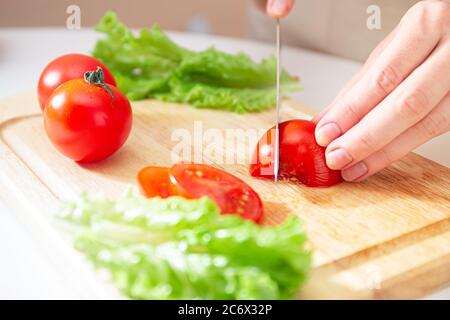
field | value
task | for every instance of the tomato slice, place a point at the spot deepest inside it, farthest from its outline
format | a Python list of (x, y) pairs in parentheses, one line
[(300, 155), (231, 194), (156, 182)]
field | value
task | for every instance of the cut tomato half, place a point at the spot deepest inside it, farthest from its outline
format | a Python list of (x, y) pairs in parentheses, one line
[(231, 194), (300, 156)]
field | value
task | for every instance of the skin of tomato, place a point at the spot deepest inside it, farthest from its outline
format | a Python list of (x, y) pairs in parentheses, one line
[(65, 68), (84, 123), (300, 155), (230, 193), (156, 181), (175, 189)]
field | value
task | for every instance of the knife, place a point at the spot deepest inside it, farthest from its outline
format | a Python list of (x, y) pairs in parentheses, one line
[(277, 142)]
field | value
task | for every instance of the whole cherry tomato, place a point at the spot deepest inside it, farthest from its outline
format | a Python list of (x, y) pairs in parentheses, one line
[(65, 68), (300, 155), (86, 119)]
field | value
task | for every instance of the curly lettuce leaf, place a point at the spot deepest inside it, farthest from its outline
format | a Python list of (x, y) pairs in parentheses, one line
[(150, 65), (184, 249)]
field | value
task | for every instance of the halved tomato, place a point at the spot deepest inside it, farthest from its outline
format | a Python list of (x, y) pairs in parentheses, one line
[(300, 155), (231, 194)]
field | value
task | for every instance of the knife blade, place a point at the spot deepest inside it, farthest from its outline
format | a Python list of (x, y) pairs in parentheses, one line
[(278, 97)]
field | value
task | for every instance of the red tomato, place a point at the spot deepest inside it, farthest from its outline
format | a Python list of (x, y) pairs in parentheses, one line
[(65, 68), (231, 194), (300, 156), (157, 182), (85, 123)]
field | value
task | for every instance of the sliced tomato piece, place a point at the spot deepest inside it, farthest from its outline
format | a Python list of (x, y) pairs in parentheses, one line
[(231, 194), (156, 182), (300, 155)]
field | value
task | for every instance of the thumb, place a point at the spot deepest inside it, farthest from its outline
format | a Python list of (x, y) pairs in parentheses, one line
[(279, 8)]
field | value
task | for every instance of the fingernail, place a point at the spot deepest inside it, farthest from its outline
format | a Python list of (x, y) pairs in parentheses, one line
[(327, 133), (337, 159), (276, 7), (355, 172)]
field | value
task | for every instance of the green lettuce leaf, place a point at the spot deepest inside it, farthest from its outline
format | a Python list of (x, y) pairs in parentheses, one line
[(149, 64), (184, 249)]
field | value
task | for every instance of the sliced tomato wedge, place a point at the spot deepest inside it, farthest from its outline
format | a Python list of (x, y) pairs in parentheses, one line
[(231, 194), (300, 156), (156, 182)]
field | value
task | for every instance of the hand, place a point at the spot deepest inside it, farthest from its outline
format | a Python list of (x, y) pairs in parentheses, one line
[(276, 8), (398, 101)]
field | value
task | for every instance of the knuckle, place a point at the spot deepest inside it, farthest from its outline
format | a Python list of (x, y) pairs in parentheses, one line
[(419, 10), (387, 79), (434, 125), (439, 9), (446, 16), (386, 156), (350, 112), (430, 15), (413, 105), (366, 142), (440, 14)]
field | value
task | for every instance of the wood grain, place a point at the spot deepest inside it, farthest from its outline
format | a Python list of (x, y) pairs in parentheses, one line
[(388, 237)]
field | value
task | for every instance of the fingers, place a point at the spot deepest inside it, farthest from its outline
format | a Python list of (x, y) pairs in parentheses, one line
[(406, 106), (370, 60), (410, 46), (261, 4), (435, 124), (279, 8)]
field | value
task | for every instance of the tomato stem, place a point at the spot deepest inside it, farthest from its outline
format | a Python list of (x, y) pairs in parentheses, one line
[(97, 78)]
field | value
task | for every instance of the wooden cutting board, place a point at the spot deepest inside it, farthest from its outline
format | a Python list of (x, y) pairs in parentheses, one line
[(388, 237)]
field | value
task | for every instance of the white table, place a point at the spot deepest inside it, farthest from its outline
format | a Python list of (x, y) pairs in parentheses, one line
[(25, 271)]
